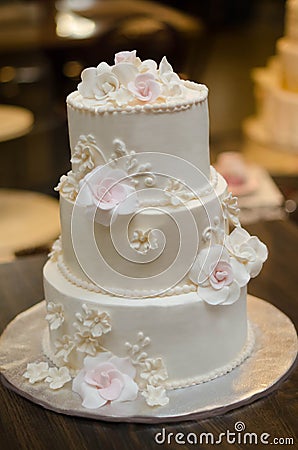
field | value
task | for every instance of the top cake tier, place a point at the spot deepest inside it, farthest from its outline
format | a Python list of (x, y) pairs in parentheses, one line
[(145, 106)]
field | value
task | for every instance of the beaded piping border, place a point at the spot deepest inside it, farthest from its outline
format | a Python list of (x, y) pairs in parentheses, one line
[(179, 384), (91, 287), (157, 108)]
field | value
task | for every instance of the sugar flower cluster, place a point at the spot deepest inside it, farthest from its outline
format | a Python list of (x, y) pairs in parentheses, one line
[(221, 270), (131, 81)]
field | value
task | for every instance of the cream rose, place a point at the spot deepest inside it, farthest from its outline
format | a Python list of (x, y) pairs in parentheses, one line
[(248, 250)]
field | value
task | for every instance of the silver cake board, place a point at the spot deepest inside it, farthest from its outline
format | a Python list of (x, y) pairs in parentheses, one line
[(268, 365)]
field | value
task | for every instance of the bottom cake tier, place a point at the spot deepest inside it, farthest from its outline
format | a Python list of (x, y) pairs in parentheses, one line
[(177, 340)]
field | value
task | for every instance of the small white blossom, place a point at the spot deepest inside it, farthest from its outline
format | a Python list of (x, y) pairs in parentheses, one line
[(82, 156), (58, 377), (64, 347), (154, 371), (97, 322), (36, 372), (155, 396), (86, 342), (143, 241), (55, 315), (230, 209), (68, 186)]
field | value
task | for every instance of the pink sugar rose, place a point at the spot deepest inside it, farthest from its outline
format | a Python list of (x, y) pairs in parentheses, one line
[(219, 277), (145, 87), (108, 192), (222, 275), (126, 56), (105, 378)]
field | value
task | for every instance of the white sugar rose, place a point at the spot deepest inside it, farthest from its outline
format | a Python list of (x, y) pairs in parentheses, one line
[(148, 66), (105, 378), (98, 82), (248, 250), (218, 276), (108, 192)]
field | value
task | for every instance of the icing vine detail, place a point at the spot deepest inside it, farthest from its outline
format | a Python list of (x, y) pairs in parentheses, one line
[(215, 231), (131, 164), (151, 372)]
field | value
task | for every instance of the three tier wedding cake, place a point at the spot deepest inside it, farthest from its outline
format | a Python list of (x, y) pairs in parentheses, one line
[(145, 288)]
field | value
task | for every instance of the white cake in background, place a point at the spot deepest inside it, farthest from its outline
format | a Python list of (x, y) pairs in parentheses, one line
[(276, 92), (145, 290)]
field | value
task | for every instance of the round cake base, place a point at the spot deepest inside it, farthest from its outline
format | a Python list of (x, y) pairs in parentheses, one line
[(268, 365)]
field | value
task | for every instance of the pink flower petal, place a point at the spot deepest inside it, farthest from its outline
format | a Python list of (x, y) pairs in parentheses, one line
[(113, 391), (145, 87), (94, 376), (125, 56)]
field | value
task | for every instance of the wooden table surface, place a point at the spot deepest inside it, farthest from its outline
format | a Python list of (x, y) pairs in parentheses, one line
[(24, 425)]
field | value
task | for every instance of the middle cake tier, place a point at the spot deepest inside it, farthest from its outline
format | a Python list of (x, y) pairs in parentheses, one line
[(143, 253)]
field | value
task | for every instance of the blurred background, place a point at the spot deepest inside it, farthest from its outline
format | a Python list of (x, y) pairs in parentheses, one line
[(44, 46)]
